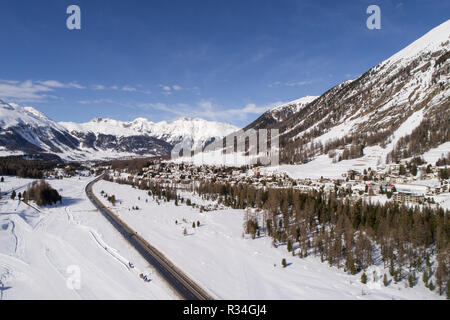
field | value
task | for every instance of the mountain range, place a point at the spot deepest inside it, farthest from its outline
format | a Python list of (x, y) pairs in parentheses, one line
[(24, 130), (397, 109)]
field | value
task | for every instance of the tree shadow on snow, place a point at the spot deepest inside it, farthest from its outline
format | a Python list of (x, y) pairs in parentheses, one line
[(67, 201)]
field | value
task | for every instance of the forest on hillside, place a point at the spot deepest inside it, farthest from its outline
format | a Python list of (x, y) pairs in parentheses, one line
[(353, 235)]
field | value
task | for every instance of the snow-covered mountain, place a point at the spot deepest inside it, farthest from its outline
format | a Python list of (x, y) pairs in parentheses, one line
[(398, 109), (280, 112), (26, 130), (196, 131)]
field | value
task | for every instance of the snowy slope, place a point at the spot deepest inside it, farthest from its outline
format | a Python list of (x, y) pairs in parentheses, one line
[(295, 105), (280, 113), (38, 251), (198, 131), (410, 90), (25, 130), (430, 42), (232, 267)]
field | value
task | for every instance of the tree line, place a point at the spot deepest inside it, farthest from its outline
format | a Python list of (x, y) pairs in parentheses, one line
[(352, 235), (347, 234), (24, 168)]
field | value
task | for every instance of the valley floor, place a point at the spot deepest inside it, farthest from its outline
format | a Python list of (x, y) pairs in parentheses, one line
[(41, 252), (218, 258), (38, 250)]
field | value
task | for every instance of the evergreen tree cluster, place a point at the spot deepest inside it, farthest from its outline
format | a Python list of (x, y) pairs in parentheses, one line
[(352, 235), (349, 235), (18, 166), (42, 193)]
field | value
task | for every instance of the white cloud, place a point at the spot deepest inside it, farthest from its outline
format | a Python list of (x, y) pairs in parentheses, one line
[(106, 101), (96, 101), (274, 84), (27, 90), (52, 83), (298, 83), (99, 87), (208, 110), (76, 85), (291, 83), (125, 88), (168, 89), (129, 89), (57, 84), (33, 91)]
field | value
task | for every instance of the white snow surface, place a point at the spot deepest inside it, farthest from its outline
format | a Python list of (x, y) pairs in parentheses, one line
[(37, 250), (38, 129), (193, 129), (427, 43), (299, 103), (437, 153), (12, 114), (218, 258)]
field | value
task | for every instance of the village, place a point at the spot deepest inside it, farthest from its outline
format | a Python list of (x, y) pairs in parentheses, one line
[(397, 182), (403, 182)]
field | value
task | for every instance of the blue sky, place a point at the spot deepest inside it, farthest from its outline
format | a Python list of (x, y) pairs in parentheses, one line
[(219, 60)]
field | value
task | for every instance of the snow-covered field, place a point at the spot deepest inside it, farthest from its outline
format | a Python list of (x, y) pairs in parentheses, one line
[(217, 257), (437, 153), (42, 252), (323, 166)]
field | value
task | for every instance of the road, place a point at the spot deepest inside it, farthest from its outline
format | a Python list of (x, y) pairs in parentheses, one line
[(184, 286)]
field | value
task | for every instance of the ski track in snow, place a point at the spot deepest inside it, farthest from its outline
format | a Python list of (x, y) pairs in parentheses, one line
[(37, 247)]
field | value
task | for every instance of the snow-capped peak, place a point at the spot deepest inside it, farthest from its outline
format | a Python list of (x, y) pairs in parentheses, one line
[(298, 103), (430, 42), (196, 130), (12, 114), (35, 112)]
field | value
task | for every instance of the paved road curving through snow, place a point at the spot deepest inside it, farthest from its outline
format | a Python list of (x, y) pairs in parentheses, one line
[(184, 286)]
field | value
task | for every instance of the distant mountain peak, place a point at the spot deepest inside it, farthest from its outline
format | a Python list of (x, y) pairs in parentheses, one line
[(298, 103), (432, 41)]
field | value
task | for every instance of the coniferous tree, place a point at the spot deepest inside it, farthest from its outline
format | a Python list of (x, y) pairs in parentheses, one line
[(289, 245), (440, 273), (425, 277), (364, 278), (411, 280)]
